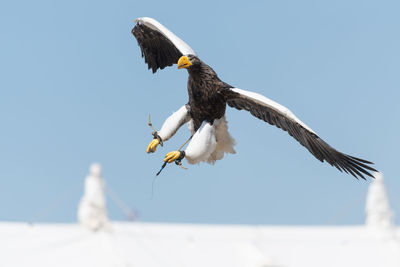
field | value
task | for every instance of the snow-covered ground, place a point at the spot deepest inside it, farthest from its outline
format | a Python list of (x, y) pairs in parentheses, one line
[(148, 244), (97, 242)]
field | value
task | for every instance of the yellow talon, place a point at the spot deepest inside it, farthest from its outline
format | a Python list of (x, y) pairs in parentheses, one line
[(172, 156), (153, 146)]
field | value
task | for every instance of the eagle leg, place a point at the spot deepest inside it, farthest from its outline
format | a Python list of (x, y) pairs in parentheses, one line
[(174, 156), (169, 128)]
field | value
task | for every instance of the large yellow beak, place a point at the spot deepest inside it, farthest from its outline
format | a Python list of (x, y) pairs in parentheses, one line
[(184, 62)]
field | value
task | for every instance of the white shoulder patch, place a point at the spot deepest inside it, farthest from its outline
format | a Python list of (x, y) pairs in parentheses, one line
[(183, 47), (272, 104)]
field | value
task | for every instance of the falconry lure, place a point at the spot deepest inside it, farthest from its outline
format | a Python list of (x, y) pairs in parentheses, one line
[(208, 97)]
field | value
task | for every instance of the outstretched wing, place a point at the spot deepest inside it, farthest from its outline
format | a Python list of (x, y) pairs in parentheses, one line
[(160, 47), (276, 114)]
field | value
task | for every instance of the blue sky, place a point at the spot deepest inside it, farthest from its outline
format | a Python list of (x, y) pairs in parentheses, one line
[(74, 90)]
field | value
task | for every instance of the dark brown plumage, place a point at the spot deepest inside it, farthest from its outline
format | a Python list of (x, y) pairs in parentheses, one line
[(157, 50), (206, 93), (208, 96), (318, 147)]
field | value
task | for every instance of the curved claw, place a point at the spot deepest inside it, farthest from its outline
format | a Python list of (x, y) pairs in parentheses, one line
[(172, 156), (152, 147)]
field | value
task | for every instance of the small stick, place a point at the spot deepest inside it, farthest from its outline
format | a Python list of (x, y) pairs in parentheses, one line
[(162, 167), (177, 162)]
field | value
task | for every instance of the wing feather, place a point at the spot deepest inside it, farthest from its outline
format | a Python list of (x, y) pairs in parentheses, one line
[(160, 47), (276, 114)]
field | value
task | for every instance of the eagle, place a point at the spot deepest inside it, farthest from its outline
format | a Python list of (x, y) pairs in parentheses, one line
[(208, 98)]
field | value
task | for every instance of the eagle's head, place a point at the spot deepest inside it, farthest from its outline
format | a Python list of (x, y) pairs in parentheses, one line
[(189, 61)]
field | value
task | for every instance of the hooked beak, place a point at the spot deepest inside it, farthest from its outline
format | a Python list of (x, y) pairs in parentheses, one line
[(184, 62)]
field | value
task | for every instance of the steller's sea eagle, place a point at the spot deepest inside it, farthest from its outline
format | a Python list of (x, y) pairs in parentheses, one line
[(205, 111)]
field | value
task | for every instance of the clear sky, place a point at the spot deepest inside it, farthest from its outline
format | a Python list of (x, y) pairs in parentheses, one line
[(74, 90)]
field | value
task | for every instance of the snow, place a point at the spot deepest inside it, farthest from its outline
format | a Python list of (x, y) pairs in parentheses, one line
[(97, 242), (150, 244), (379, 215), (92, 212)]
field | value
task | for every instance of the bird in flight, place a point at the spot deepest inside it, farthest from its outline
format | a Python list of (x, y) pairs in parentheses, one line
[(208, 97)]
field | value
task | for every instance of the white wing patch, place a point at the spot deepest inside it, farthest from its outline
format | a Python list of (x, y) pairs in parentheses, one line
[(272, 104), (183, 47)]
